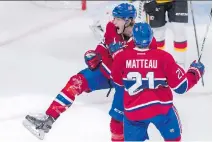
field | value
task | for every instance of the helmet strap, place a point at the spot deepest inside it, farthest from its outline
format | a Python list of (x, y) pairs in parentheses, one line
[(127, 24)]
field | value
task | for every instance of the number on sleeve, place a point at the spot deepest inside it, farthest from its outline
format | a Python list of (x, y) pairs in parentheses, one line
[(179, 73)]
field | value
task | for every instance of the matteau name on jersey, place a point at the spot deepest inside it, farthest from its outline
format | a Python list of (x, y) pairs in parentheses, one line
[(141, 63)]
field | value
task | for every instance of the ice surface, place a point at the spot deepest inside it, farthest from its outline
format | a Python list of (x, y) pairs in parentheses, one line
[(41, 48)]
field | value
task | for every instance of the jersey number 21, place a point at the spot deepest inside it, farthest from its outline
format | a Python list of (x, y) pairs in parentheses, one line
[(136, 76)]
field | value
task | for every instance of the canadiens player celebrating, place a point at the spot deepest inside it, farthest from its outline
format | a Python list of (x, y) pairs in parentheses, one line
[(177, 16), (147, 76), (95, 77)]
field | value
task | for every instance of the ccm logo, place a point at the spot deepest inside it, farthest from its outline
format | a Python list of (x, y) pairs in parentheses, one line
[(181, 14)]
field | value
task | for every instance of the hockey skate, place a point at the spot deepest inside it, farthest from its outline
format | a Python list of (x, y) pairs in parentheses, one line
[(38, 125)]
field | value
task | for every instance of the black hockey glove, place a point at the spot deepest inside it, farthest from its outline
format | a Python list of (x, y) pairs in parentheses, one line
[(150, 7)]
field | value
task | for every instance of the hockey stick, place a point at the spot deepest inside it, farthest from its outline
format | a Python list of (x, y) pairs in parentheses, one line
[(205, 36), (195, 32), (110, 88), (147, 17), (140, 10)]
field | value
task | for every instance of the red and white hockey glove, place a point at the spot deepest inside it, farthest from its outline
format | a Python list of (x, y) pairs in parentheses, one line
[(197, 68), (92, 59)]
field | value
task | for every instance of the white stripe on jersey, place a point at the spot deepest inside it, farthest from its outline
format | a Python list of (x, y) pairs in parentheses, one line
[(106, 68), (147, 104), (65, 96), (119, 84), (147, 79), (60, 102)]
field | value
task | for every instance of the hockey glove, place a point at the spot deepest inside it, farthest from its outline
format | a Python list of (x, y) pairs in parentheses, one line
[(92, 59), (38, 125), (150, 7), (197, 68), (115, 46)]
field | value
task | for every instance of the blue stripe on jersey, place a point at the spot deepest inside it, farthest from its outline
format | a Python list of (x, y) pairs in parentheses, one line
[(63, 100), (145, 83), (182, 88)]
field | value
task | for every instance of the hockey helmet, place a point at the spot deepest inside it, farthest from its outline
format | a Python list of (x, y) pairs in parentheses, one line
[(142, 34)]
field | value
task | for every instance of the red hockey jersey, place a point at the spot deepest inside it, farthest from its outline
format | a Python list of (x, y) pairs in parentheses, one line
[(147, 76), (111, 36)]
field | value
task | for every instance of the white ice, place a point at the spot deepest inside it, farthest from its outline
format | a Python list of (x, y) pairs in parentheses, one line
[(41, 48)]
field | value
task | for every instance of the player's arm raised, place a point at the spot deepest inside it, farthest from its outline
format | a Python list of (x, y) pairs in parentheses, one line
[(179, 80), (104, 49)]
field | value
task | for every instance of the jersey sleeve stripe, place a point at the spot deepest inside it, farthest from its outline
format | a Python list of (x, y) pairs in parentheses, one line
[(62, 99), (106, 68), (182, 87)]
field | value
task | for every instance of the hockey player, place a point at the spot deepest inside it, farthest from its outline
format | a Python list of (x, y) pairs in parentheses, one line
[(95, 77), (147, 76), (177, 11)]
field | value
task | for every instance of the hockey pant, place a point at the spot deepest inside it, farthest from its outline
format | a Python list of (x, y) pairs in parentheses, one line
[(168, 125)]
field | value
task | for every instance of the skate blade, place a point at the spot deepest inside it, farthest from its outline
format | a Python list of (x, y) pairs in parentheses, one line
[(30, 127)]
